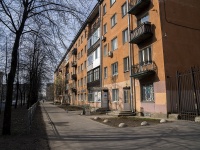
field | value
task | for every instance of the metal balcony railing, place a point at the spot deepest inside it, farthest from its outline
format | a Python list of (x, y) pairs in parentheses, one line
[(141, 33), (74, 64), (74, 76), (142, 70), (74, 51), (137, 6)]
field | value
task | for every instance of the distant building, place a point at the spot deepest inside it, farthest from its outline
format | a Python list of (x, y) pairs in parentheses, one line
[(49, 92)]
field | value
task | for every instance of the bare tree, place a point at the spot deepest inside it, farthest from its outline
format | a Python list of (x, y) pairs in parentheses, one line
[(21, 17)]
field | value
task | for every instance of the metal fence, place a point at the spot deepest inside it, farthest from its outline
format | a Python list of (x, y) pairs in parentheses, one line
[(183, 94), (31, 112)]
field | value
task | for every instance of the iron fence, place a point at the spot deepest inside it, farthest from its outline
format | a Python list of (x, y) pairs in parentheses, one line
[(183, 94), (31, 112)]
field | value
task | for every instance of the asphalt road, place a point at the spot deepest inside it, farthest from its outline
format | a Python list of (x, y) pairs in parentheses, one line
[(70, 131)]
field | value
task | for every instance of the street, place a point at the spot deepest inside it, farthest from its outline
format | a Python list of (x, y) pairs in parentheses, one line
[(72, 131)]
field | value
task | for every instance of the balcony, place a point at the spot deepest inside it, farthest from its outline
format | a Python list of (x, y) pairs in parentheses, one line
[(74, 51), (74, 76), (74, 64), (137, 6), (140, 71), (141, 33), (66, 81), (72, 86), (95, 26)]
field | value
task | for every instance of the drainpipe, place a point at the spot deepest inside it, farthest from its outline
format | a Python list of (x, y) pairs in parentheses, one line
[(132, 81), (101, 59)]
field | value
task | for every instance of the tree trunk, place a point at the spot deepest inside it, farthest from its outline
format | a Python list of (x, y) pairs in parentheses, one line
[(11, 77)]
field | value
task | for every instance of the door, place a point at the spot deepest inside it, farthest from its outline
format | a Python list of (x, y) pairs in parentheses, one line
[(126, 99)]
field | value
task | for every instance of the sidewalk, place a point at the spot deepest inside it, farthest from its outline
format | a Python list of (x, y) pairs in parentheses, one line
[(70, 131)]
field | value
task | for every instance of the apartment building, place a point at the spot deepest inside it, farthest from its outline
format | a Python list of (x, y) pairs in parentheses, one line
[(131, 50)]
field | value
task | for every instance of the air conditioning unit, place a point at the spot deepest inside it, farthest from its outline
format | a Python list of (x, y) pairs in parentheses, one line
[(103, 38), (110, 54)]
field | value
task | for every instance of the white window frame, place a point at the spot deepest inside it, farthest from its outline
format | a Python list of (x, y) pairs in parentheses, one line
[(114, 67), (126, 64), (125, 36), (105, 72), (114, 44), (104, 9), (124, 9), (145, 56), (112, 2), (147, 92), (115, 95), (113, 20), (105, 28), (105, 50)]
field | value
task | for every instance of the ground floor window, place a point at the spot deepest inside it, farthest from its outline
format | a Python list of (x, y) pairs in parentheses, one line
[(94, 96), (115, 94), (147, 92), (126, 95)]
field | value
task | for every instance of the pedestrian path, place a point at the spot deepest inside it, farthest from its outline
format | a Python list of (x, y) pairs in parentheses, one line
[(70, 131)]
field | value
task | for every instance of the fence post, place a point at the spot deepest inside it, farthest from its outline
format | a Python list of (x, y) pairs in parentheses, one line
[(179, 92), (194, 90)]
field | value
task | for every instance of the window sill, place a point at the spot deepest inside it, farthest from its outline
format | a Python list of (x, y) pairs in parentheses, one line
[(147, 101), (115, 101), (126, 71), (112, 4), (113, 25)]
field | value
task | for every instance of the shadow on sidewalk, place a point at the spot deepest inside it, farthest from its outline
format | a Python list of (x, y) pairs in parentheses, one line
[(20, 139)]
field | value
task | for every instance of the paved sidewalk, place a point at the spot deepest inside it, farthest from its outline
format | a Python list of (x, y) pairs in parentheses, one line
[(70, 131)]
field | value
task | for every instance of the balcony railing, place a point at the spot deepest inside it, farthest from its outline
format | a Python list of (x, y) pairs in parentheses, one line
[(73, 87), (137, 6), (74, 51), (95, 26), (74, 64), (141, 33), (74, 76), (140, 71)]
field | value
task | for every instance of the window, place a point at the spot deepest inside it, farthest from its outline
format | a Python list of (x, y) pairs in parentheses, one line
[(96, 74), (105, 72), (145, 56), (125, 36), (105, 50), (113, 20), (85, 48), (81, 81), (112, 2), (105, 28), (85, 81), (115, 95), (124, 9), (81, 39), (126, 95), (90, 76), (78, 83), (81, 67), (81, 53), (114, 44), (90, 59), (85, 64), (79, 56), (115, 69), (96, 54), (147, 92), (104, 9), (126, 64), (143, 19)]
